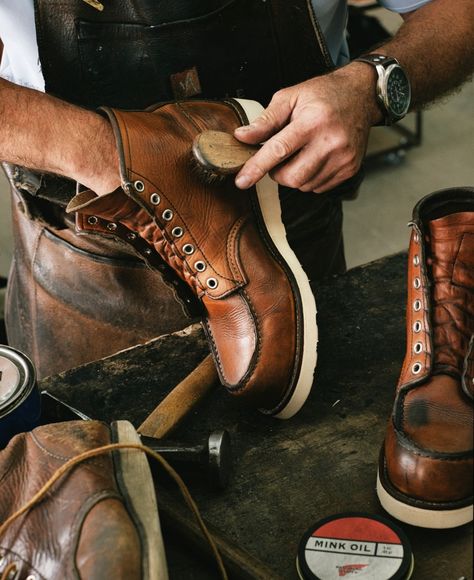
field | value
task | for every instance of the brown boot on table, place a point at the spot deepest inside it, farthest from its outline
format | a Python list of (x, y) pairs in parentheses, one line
[(226, 247), (426, 470), (99, 521)]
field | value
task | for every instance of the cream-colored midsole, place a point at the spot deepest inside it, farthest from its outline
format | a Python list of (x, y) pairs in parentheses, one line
[(137, 478), (423, 518), (267, 191)]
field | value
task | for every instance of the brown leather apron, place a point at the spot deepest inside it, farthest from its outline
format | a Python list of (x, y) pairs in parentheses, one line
[(72, 299)]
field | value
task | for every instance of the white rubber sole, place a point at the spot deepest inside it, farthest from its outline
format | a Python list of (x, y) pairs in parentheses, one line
[(423, 518), (136, 483), (267, 192)]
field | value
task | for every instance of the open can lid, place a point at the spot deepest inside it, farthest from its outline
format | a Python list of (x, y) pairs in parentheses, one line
[(354, 545), (17, 378)]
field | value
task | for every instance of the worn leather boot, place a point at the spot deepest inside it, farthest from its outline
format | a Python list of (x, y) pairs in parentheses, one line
[(100, 520), (227, 246), (426, 471)]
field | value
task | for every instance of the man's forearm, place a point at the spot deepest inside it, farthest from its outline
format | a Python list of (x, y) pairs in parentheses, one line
[(435, 45), (44, 133)]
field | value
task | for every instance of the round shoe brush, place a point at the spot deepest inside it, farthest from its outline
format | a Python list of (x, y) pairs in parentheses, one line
[(217, 154)]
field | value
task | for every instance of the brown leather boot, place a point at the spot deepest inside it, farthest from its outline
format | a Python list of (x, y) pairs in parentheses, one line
[(98, 521), (426, 470), (227, 246)]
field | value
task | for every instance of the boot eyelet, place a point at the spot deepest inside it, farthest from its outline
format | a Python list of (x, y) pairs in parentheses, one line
[(200, 266), (177, 232), (417, 305), (155, 199), (147, 252), (188, 249), (417, 326), (212, 283), (167, 215), (417, 283), (92, 220), (31, 577), (112, 227), (131, 236), (139, 186), (416, 368), (418, 347), (416, 260)]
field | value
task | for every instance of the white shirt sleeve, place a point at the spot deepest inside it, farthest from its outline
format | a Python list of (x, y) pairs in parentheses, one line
[(402, 6)]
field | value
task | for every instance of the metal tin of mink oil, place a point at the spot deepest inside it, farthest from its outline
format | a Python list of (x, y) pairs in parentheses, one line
[(20, 403), (354, 545)]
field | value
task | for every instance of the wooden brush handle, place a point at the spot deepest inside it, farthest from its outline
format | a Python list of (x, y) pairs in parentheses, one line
[(221, 152), (181, 400)]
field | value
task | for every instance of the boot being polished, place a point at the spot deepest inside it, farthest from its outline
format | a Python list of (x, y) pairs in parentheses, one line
[(426, 471), (100, 520), (227, 247)]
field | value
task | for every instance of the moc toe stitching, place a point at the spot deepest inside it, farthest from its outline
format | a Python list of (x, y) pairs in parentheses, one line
[(415, 449), (46, 451), (242, 383)]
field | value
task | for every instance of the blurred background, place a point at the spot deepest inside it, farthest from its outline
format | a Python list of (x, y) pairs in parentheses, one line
[(399, 172)]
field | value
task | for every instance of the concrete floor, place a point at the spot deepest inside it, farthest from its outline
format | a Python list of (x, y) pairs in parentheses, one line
[(375, 223)]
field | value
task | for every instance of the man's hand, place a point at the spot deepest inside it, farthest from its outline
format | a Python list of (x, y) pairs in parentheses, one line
[(315, 133)]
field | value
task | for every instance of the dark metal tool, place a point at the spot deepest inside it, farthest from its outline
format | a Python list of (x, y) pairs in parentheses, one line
[(53, 410), (212, 458)]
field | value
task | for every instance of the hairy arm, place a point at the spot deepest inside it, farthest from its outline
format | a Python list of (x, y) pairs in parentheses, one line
[(47, 134), (316, 132)]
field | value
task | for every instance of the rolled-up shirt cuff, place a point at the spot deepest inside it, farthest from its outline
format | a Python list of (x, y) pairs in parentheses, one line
[(403, 6)]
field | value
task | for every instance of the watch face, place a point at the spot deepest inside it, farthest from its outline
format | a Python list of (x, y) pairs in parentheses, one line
[(398, 91)]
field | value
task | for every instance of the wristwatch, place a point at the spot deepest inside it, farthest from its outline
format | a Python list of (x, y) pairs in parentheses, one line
[(393, 87)]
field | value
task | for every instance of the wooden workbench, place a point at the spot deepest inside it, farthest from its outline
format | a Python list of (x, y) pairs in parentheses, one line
[(288, 474)]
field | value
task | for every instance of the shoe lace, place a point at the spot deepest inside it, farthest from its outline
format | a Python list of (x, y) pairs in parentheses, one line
[(6, 575)]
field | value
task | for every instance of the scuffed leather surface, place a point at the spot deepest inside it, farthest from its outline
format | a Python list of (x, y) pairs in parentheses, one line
[(428, 447), (77, 529), (255, 305)]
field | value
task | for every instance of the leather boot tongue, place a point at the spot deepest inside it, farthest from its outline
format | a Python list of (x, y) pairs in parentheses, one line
[(115, 205), (452, 270)]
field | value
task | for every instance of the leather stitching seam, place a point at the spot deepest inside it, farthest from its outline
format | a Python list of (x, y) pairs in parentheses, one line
[(403, 440)]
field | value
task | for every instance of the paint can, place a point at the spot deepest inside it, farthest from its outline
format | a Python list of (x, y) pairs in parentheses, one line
[(20, 402), (354, 545)]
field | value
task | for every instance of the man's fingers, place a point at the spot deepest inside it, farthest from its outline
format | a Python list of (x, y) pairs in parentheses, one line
[(302, 168), (273, 118), (327, 180), (273, 152)]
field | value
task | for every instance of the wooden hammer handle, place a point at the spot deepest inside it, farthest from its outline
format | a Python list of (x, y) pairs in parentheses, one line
[(181, 400)]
